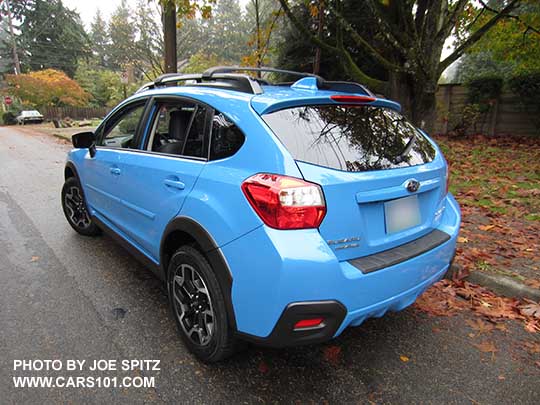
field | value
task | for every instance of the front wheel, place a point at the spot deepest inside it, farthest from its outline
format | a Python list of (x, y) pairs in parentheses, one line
[(75, 209), (198, 306)]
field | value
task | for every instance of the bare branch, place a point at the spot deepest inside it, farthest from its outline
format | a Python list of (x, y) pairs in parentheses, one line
[(515, 17), (361, 42), (477, 35), (452, 18), (349, 64), (388, 32)]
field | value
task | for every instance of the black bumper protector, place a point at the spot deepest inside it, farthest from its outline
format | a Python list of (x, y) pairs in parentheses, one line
[(390, 257), (285, 335)]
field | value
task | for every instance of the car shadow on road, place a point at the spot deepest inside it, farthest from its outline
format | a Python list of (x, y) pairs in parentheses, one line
[(358, 356)]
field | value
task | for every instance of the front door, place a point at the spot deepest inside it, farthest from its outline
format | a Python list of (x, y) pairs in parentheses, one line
[(156, 180), (102, 172)]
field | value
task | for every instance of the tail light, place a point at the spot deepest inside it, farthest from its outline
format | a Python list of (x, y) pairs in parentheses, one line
[(285, 202), (352, 99)]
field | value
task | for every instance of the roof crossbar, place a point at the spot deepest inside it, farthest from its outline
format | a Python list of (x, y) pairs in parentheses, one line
[(236, 82), (229, 69), (225, 77)]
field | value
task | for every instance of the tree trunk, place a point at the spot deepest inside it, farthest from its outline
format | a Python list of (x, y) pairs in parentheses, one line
[(417, 99), (169, 36)]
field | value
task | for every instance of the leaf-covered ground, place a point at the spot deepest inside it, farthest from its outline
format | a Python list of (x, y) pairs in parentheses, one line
[(497, 183)]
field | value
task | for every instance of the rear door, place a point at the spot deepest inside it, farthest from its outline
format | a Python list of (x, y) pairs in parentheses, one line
[(382, 179), (156, 180)]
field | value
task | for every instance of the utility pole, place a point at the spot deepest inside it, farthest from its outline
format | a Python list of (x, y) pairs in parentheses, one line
[(169, 35), (15, 54)]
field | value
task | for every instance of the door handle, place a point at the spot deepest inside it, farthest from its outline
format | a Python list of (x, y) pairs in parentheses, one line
[(116, 171), (174, 184)]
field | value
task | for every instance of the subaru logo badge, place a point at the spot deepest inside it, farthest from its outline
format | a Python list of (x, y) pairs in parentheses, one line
[(413, 185)]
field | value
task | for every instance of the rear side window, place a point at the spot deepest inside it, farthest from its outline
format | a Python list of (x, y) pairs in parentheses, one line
[(226, 137), (351, 138), (180, 128)]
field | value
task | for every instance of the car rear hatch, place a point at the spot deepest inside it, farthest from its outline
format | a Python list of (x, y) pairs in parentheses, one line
[(383, 180)]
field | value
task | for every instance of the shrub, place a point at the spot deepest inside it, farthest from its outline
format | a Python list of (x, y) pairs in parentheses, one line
[(527, 86), (9, 118), (482, 94), (47, 87), (485, 89)]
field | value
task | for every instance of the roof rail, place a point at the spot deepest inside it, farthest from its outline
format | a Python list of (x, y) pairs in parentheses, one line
[(209, 73), (236, 82), (225, 77)]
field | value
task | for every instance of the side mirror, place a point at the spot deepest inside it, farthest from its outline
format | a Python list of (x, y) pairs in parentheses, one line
[(85, 140)]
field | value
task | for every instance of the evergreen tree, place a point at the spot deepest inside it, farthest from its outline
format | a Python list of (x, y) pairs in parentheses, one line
[(228, 34), (51, 36), (99, 40), (121, 50), (149, 45)]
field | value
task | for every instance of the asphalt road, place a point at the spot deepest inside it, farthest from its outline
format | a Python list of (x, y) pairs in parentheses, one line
[(64, 296)]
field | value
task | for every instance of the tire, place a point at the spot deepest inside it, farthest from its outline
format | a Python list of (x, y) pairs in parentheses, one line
[(75, 209), (214, 340)]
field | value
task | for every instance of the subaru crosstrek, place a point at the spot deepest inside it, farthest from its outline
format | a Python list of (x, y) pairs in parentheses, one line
[(275, 213)]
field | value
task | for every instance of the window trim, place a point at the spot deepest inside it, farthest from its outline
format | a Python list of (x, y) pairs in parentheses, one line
[(119, 111), (151, 116)]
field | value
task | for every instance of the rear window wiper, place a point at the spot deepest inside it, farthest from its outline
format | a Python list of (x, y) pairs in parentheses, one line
[(401, 157)]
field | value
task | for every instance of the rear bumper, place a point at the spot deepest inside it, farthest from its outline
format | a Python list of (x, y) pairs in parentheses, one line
[(275, 270)]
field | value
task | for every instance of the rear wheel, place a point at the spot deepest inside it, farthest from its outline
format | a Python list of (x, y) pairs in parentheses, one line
[(75, 209), (198, 306)]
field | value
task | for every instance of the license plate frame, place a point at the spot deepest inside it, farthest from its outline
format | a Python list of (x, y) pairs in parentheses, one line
[(401, 214)]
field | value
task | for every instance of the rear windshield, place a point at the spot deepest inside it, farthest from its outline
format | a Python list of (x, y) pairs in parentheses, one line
[(351, 138)]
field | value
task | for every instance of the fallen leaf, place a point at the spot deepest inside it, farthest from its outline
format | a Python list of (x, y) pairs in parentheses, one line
[(332, 354), (502, 378), (485, 227), (462, 239), (486, 347), (532, 309), (480, 326), (34, 259), (532, 347), (533, 283), (404, 359), (532, 327)]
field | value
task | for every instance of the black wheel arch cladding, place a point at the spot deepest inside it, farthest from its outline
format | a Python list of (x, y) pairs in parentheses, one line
[(209, 249)]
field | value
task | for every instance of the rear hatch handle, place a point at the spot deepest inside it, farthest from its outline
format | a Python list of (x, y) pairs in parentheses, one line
[(390, 193)]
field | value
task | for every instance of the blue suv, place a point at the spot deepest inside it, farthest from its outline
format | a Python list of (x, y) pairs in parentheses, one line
[(276, 213)]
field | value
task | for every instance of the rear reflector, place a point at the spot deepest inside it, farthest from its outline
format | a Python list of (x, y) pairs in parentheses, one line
[(308, 323), (285, 202), (352, 99)]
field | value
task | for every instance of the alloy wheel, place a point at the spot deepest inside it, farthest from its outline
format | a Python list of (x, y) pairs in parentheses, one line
[(193, 305), (76, 209)]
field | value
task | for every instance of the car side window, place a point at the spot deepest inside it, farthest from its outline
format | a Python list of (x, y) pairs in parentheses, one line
[(197, 139), (227, 138), (179, 129), (120, 131)]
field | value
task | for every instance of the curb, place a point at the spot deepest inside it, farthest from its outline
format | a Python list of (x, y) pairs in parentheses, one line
[(502, 285)]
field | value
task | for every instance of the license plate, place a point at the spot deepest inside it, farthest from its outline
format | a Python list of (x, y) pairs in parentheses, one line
[(401, 214)]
